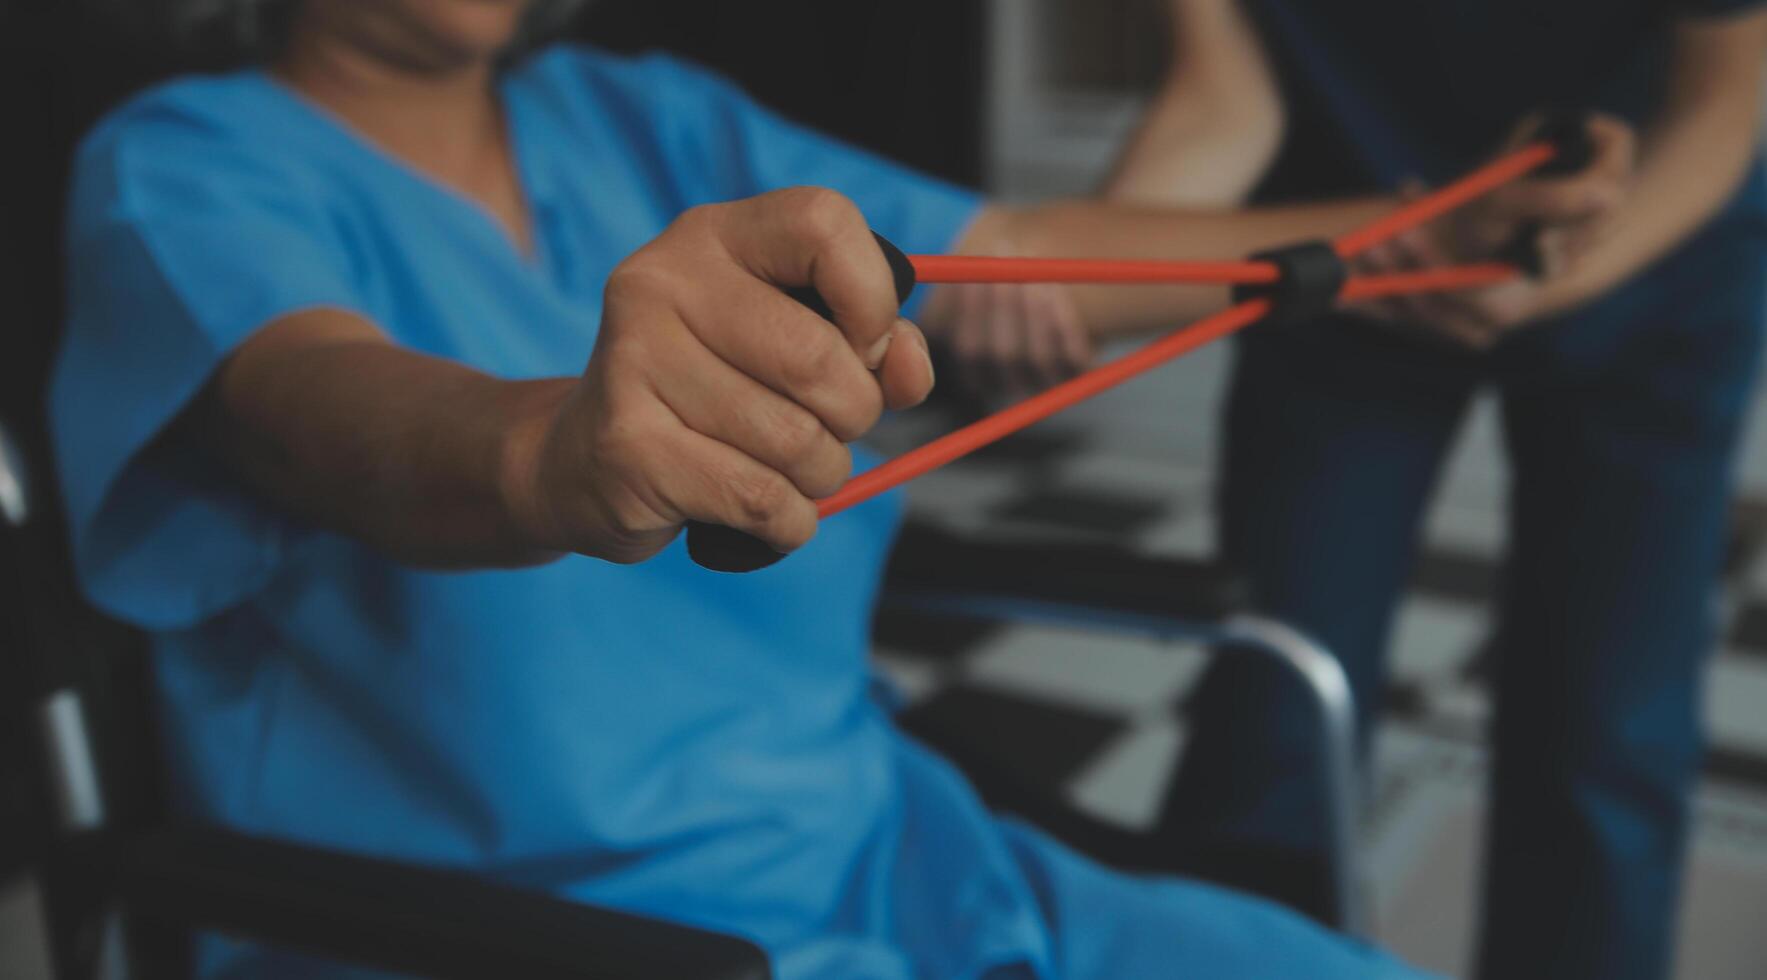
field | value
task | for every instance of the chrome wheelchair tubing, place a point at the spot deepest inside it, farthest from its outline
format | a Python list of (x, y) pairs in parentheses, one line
[(1311, 663), (14, 500), (1337, 757)]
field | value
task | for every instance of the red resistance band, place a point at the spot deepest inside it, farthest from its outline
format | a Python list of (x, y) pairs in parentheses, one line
[(962, 269), (1285, 284)]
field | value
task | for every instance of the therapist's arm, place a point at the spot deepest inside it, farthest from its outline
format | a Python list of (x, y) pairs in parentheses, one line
[(1693, 157), (1109, 229), (1215, 124), (1204, 141), (1117, 229), (710, 395)]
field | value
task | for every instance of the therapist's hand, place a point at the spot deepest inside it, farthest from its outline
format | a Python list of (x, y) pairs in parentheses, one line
[(1570, 212), (1010, 341), (711, 395)]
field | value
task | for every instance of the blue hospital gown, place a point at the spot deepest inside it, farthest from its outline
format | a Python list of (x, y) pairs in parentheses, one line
[(656, 738)]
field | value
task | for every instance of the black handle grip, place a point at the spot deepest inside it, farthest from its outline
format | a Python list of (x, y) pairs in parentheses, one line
[(1568, 131), (725, 549)]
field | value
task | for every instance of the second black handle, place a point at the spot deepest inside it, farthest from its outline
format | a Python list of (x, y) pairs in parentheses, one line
[(1568, 131)]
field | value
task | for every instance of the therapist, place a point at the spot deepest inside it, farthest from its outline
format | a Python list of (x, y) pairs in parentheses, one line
[(1624, 382), (389, 381)]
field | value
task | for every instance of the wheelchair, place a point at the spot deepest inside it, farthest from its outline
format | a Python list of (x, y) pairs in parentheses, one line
[(125, 883)]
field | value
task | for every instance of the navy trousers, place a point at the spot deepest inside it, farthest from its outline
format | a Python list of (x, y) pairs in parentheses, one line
[(1621, 425)]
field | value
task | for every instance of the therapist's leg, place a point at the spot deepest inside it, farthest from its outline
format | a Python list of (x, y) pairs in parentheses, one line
[(1334, 436), (1623, 439)]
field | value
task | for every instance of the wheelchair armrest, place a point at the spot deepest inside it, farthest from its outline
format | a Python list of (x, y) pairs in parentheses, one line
[(933, 562), (405, 918)]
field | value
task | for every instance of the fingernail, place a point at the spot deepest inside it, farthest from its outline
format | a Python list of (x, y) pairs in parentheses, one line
[(874, 357), (927, 355), (905, 326)]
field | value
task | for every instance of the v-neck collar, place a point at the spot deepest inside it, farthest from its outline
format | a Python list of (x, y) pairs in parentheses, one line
[(534, 190)]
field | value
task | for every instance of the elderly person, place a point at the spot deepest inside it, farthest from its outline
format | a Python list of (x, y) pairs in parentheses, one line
[(392, 371)]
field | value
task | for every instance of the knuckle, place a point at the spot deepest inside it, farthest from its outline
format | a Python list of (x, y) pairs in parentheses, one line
[(633, 532), (620, 443), (833, 474), (698, 219), (822, 472), (856, 412), (618, 353), (822, 215), (643, 278), (764, 498), (628, 518), (797, 433), (812, 359)]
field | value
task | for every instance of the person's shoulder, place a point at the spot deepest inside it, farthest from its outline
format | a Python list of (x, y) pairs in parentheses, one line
[(198, 125), (216, 108)]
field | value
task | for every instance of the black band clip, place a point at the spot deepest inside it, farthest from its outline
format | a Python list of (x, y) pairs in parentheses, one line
[(1309, 277)]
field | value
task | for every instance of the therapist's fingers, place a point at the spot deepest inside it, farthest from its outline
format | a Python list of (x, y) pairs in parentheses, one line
[(1427, 317), (810, 236), (1008, 335), (972, 338), (1598, 187), (1042, 355), (773, 430), (1591, 194), (1069, 342)]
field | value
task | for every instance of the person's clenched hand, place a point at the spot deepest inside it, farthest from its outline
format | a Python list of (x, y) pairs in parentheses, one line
[(711, 395)]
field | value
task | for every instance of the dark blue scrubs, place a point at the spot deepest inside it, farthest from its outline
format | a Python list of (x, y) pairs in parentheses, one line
[(1621, 422)]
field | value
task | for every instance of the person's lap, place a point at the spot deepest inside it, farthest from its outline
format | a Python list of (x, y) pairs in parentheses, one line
[(1107, 924)]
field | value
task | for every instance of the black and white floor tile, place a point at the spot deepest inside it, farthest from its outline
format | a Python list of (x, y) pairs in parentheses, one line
[(1100, 715)]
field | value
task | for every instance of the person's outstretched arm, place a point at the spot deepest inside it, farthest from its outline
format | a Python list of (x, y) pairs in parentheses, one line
[(1203, 142), (710, 395)]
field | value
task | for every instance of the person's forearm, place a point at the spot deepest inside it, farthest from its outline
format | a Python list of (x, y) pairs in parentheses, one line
[(1216, 122), (1694, 158), (407, 452), (1082, 229)]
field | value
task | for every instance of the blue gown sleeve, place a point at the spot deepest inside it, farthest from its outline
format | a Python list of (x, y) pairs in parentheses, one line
[(183, 239), (721, 145)]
